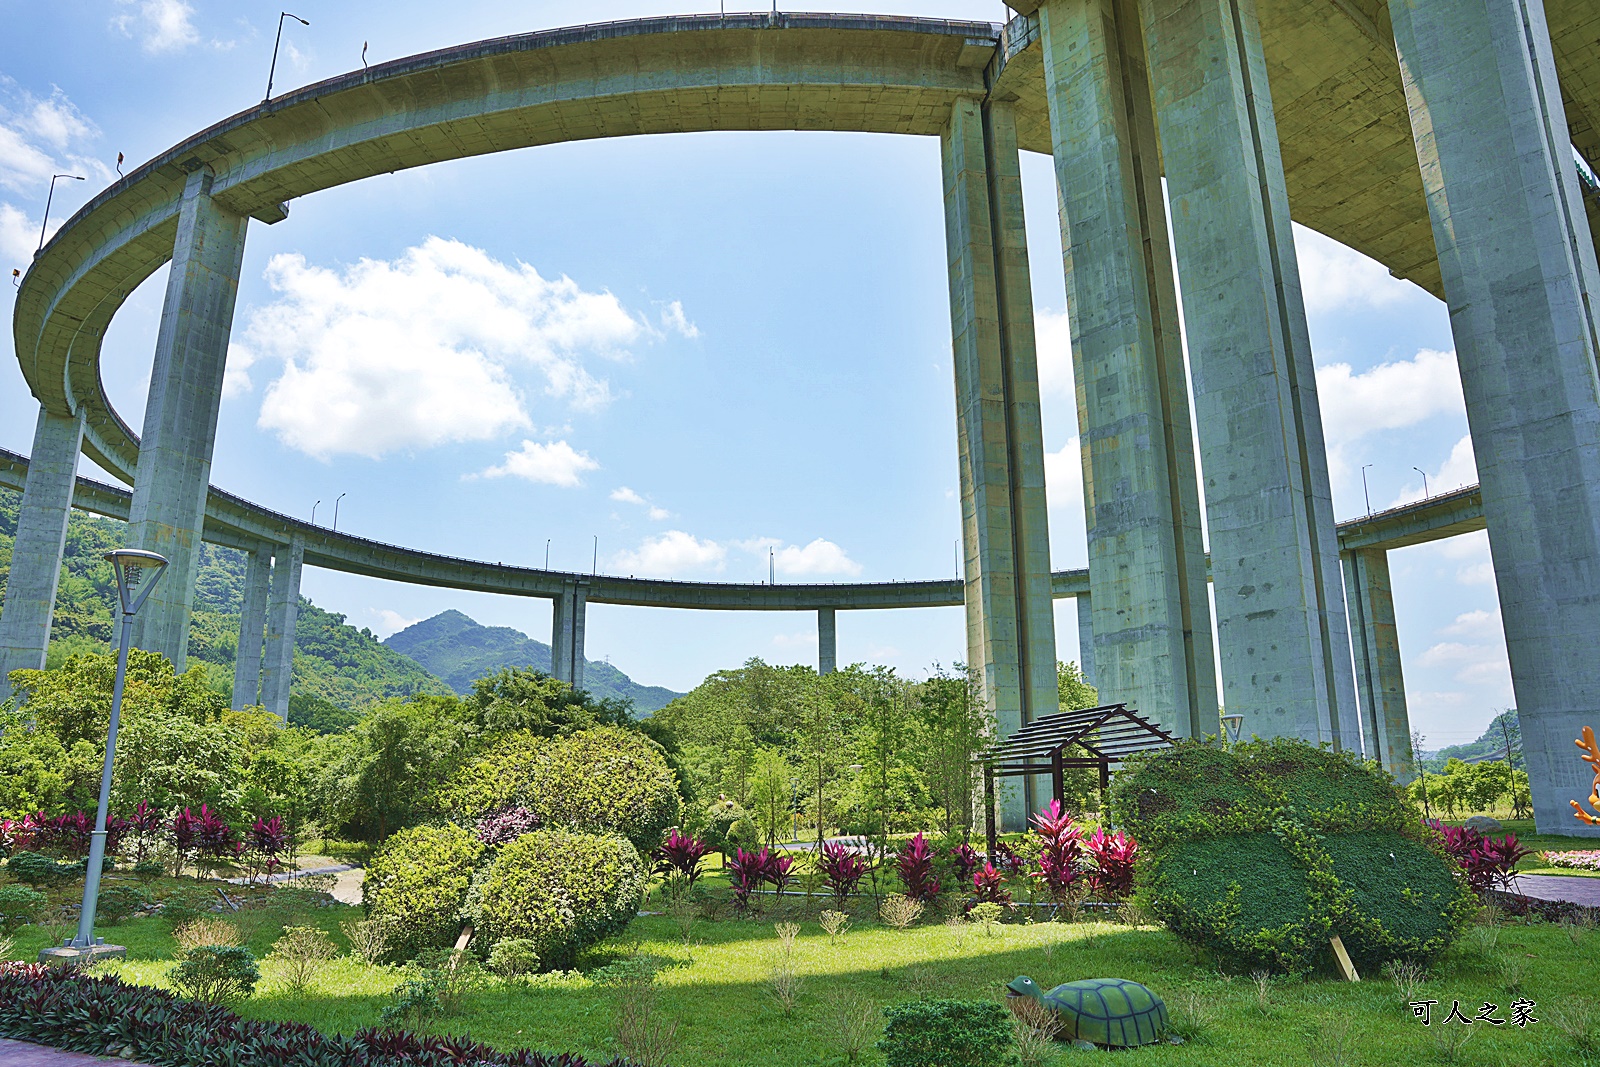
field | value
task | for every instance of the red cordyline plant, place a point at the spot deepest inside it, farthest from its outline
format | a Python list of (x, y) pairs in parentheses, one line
[(915, 864), (1489, 862), (966, 860), (1006, 859), (681, 854), (1060, 866), (989, 886), (145, 823), (842, 871), (1114, 856), (779, 871), (185, 830), (747, 870)]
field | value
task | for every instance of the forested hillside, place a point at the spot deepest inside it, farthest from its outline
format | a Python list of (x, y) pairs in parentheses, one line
[(460, 650), (334, 662)]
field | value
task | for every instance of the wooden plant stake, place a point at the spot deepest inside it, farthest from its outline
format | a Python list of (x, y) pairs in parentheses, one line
[(1342, 958)]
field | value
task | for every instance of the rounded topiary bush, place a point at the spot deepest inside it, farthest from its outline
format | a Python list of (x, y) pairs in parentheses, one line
[(497, 780), (559, 890), (1261, 852), (606, 781), (417, 883)]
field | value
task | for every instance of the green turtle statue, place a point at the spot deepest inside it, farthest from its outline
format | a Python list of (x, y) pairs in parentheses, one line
[(1104, 1011)]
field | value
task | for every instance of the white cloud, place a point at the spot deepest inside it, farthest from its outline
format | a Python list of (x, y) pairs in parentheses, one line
[(659, 514), (1335, 277), (550, 464), (624, 495), (1479, 624), (1389, 396), (673, 320), (1473, 664), (800, 639), (1063, 477), (420, 350), (391, 622), (1053, 337), (671, 554), (18, 238), (1476, 574), (160, 25), (43, 137), (819, 558)]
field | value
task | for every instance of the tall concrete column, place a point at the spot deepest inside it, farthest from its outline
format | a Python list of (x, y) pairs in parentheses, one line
[(1285, 641), (283, 609), (252, 629), (568, 618), (1086, 653), (40, 540), (180, 418), (1518, 262), (1152, 617), (827, 642), (1380, 681), (1010, 620)]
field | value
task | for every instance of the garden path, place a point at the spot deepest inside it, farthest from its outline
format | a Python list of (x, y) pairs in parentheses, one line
[(26, 1054), (1585, 891)]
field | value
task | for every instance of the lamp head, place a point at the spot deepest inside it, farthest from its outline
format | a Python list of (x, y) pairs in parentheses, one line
[(137, 574), (1233, 724)]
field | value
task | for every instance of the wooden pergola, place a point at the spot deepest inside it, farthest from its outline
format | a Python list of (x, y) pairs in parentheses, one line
[(1109, 735)]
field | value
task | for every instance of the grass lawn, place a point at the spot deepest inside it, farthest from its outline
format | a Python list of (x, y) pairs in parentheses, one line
[(716, 989)]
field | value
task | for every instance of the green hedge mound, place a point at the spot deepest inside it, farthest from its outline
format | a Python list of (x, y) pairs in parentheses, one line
[(560, 890), (1261, 852), (418, 882)]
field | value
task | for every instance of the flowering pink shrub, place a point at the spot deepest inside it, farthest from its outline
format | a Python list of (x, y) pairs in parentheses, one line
[(842, 870), (681, 853), (1577, 859), (1114, 855), (1061, 865), (915, 864)]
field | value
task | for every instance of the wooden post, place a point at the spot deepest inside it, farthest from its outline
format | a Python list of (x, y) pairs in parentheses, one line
[(1342, 958), (1058, 779), (1105, 789)]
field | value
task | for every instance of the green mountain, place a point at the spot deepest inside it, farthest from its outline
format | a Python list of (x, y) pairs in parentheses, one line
[(335, 664), (459, 650), (1492, 745)]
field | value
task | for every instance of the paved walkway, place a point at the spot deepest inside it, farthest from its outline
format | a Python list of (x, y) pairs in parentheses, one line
[(24, 1054), (1579, 890)]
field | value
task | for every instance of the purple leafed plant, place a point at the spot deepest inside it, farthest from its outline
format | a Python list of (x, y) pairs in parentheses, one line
[(145, 823), (915, 864), (1114, 855), (213, 836), (989, 886), (681, 853), (779, 872), (966, 859), (505, 826), (1060, 866), (1006, 859), (747, 870), (185, 830), (1489, 862), (842, 870)]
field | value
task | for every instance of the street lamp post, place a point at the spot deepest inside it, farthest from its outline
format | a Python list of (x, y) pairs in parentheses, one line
[(275, 42), (341, 496), (1424, 474), (137, 574), (1233, 723), (49, 199), (1364, 491)]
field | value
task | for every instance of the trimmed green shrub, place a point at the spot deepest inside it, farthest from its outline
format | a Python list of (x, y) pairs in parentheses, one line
[(116, 902), (948, 1033), (607, 781), (500, 778), (416, 884), (41, 871), (217, 974), (562, 891), (514, 957), (18, 905), (1261, 852)]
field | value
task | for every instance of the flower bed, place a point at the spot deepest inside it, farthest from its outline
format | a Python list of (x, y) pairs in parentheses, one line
[(1579, 860), (106, 1017)]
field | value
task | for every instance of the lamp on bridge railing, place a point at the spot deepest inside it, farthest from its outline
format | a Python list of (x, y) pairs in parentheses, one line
[(1424, 474), (137, 574), (1233, 724)]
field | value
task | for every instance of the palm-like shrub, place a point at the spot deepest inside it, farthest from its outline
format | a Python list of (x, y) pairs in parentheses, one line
[(915, 864), (842, 871), (417, 882)]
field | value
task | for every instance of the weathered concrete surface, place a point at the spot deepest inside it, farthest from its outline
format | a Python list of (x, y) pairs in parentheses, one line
[(1521, 280), (277, 667), (568, 619), (1285, 643), (180, 421), (36, 550), (1086, 656), (1152, 617), (1380, 681), (252, 629), (1010, 621), (827, 641)]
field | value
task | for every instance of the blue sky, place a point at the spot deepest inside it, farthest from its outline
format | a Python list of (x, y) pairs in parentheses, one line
[(696, 349)]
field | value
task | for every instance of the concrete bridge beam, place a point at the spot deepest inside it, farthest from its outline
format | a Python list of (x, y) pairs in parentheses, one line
[(1380, 680), (252, 628), (180, 419), (1152, 616), (1285, 642), (1520, 277), (40, 539), (283, 609), (1010, 625), (827, 642), (568, 619)]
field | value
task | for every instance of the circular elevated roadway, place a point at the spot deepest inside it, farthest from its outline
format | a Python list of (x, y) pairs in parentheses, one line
[(695, 73)]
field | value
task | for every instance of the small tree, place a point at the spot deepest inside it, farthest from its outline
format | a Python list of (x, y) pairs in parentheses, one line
[(771, 794)]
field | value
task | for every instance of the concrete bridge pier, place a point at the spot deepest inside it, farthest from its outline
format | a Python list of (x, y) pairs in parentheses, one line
[(1518, 262), (252, 628), (827, 642), (1005, 532), (180, 420), (1380, 680), (40, 539), (568, 616), (283, 609), (1151, 621), (1086, 654), (1285, 641)]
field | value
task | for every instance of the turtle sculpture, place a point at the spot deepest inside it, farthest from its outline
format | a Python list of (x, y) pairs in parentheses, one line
[(1103, 1011)]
